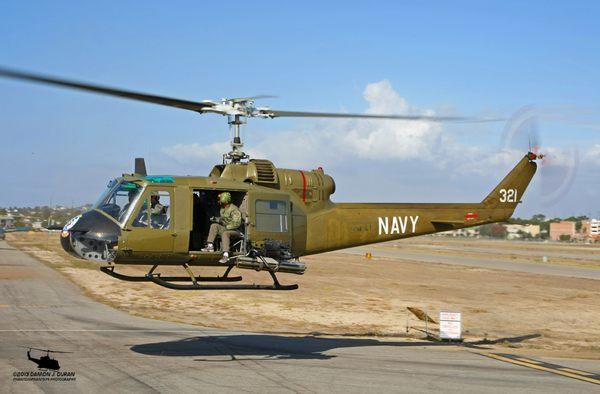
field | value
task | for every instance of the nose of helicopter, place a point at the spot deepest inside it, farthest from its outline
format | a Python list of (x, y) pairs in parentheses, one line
[(90, 236)]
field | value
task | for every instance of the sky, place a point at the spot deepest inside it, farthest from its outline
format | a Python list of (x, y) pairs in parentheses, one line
[(515, 60)]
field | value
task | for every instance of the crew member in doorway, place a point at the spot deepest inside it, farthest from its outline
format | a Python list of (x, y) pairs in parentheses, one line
[(224, 226)]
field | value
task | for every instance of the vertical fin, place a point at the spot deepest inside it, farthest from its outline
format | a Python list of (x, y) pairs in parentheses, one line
[(510, 190)]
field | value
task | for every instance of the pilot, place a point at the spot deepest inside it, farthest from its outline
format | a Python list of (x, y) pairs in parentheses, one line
[(130, 197), (224, 226), (158, 212), (156, 208)]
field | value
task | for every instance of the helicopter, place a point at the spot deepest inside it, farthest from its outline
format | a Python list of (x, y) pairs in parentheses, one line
[(44, 362), (285, 213)]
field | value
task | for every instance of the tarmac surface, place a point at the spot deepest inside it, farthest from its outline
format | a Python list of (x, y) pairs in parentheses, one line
[(111, 351)]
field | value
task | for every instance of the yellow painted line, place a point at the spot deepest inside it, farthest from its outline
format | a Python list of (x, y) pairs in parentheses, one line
[(541, 368), (576, 371)]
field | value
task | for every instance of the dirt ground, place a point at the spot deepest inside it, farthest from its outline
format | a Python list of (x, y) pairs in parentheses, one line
[(351, 295)]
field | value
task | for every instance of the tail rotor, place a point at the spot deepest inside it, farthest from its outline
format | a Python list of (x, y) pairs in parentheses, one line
[(557, 166)]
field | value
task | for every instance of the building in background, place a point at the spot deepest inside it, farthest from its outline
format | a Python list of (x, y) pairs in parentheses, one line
[(462, 232), (516, 231), (562, 231), (595, 228), (7, 221), (590, 229)]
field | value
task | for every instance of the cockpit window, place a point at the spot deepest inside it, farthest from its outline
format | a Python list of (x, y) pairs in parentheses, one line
[(155, 211), (118, 201)]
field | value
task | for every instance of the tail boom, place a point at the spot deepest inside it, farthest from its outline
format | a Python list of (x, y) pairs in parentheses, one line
[(354, 224)]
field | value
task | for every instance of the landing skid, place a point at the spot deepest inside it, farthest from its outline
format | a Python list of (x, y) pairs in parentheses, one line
[(167, 281), (110, 270)]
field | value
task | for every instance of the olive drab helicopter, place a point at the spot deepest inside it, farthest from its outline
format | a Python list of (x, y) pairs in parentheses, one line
[(165, 220)]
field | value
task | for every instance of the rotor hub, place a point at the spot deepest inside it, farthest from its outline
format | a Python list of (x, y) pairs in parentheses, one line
[(237, 110)]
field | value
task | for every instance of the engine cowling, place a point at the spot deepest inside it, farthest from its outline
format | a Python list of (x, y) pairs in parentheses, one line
[(311, 186)]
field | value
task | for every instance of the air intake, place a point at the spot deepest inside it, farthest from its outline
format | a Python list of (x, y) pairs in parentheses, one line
[(262, 172)]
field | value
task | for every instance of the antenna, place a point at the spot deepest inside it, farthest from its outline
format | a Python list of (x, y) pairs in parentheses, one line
[(140, 166)]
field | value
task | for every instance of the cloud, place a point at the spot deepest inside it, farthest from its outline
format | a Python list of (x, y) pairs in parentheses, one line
[(593, 155), (333, 141), (384, 139)]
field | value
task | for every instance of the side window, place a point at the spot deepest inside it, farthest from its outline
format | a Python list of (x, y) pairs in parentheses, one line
[(271, 216), (154, 211)]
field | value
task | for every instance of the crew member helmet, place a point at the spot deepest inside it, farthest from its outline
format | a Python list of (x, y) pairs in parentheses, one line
[(225, 198)]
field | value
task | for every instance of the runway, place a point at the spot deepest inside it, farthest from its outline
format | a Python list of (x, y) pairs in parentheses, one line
[(492, 262), (112, 351)]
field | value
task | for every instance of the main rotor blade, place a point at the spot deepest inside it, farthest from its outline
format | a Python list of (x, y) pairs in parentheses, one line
[(298, 114), (43, 350), (171, 102)]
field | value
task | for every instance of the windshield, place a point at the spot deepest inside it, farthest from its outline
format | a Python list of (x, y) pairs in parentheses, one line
[(119, 199)]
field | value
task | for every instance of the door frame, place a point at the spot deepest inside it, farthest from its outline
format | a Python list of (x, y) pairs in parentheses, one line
[(147, 239)]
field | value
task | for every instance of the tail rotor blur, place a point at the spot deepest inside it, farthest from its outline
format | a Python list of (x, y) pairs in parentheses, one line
[(557, 166)]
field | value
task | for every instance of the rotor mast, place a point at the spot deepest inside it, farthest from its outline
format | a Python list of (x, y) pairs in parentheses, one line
[(236, 154)]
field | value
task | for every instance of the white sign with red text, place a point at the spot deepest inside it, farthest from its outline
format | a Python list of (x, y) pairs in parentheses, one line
[(450, 325)]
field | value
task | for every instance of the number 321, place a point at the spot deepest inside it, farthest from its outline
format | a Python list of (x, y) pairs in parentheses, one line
[(508, 195)]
